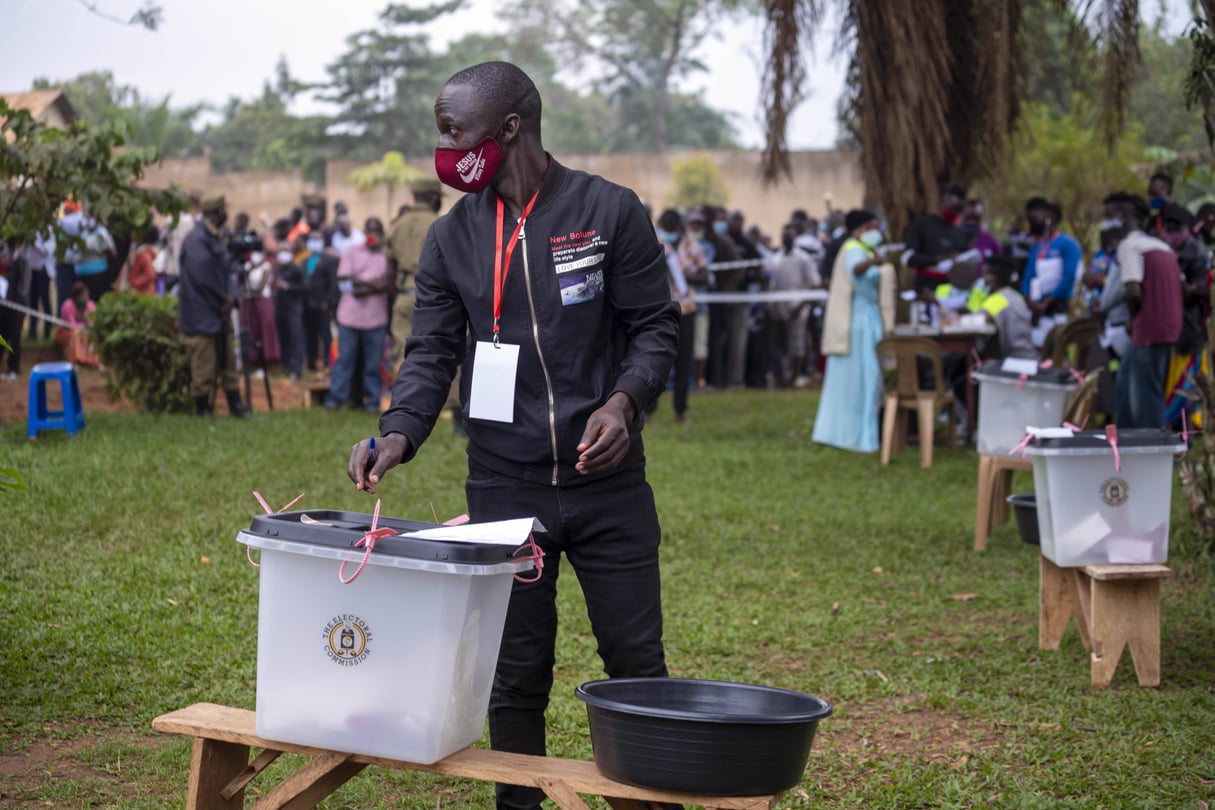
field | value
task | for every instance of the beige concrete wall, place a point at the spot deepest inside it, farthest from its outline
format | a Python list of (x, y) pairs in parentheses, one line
[(815, 174)]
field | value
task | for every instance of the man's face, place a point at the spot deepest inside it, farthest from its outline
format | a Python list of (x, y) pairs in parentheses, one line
[(735, 224), (696, 229), (952, 202), (1158, 189), (1038, 219), (973, 216), (462, 121), (241, 222), (314, 217), (375, 235)]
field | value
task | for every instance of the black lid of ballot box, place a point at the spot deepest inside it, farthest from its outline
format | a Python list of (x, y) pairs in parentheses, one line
[(1050, 376), (334, 528), (1127, 438)]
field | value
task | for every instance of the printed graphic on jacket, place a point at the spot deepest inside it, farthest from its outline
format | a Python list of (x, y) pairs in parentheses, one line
[(577, 260)]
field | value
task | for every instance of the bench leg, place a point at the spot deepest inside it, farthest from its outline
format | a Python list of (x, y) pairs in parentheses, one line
[(213, 764), (1126, 612), (1061, 595), (315, 780)]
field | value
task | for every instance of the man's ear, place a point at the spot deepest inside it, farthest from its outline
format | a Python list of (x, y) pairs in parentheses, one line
[(510, 127)]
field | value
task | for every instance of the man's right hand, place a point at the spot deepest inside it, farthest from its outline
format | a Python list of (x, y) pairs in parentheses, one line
[(366, 471)]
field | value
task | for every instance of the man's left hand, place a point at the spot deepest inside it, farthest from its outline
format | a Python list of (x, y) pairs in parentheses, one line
[(605, 442)]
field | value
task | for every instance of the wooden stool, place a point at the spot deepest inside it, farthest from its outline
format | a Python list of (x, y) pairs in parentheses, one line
[(1115, 606), (994, 485), (220, 770)]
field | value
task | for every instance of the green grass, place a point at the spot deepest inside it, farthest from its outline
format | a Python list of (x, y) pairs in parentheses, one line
[(124, 595)]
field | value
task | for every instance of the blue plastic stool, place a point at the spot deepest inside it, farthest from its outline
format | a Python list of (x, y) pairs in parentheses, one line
[(71, 418)]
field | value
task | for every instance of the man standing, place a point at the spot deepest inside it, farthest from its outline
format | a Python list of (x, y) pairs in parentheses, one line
[(932, 241), (1195, 262), (791, 269), (1153, 292), (344, 235), (207, 294), (362, 318), (1051, 269), (405, 237), (550, 287)]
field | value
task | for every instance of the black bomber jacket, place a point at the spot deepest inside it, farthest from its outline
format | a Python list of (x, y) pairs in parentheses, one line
[(586, 299)]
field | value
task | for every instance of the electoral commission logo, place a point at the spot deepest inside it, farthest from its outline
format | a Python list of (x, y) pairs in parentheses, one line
[(347, 640)]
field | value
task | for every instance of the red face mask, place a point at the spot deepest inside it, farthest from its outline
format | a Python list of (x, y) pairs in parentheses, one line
[(951, 216), (372, 241), (469, 170)]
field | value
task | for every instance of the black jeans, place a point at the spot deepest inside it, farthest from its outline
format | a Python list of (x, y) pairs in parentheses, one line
[(317, 336), (608, 531), (40, 299)]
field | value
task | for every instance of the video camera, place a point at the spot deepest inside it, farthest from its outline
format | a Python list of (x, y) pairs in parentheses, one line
[(243, 244)]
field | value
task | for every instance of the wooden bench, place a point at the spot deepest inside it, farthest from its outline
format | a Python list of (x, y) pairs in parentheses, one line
[(220, 770), (315, 392), (1115, 606)]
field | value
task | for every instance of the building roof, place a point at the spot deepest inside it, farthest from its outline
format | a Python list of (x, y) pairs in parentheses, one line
[(39, 102)]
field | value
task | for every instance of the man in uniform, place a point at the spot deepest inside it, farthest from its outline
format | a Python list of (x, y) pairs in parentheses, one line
[(207, 293), (406, 234)]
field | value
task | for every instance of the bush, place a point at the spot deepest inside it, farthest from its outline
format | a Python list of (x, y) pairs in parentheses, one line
[(137, 338), (698, 181)]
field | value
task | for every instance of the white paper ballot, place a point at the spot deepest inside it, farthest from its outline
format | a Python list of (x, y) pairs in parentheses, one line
[(908, 295), (492, 396), (1050, 432), (499, 533), (1019, 365), (1050, 273)]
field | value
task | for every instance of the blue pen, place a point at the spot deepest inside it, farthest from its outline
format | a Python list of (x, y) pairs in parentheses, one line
[(373, 448)]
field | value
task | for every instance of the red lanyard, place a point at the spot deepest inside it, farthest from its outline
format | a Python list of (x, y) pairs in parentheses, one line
[(502, 263), (1044, 246)]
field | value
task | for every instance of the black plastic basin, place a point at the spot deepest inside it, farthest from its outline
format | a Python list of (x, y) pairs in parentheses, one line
[(1025, 507), (698, 736)]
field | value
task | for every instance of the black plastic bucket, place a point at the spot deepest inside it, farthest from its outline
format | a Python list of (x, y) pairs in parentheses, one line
[(1025, 507), (698, 736)]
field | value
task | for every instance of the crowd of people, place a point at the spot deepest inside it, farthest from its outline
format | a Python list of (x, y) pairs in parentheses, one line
[(1148, 282), (297, 285), (302, 284)]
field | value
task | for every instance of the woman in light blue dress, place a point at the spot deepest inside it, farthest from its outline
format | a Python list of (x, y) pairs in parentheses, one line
[(852, 386)]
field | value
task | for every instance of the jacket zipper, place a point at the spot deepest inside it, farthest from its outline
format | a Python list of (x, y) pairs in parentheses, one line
[(548, 380)]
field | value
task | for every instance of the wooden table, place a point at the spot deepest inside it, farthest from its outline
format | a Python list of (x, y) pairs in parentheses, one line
[(959, 340)]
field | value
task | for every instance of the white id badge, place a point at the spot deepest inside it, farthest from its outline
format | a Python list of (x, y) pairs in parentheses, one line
[(493, 382)]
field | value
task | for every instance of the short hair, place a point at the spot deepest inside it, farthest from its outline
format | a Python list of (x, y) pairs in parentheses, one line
[(1043, 204), (151, 235), (373, 223), (1163, 177), (799, 215), (1177, 213), (1002, 267), (955, 190), (670, 220), (1205, 209), (1132, 202), (505, 85)]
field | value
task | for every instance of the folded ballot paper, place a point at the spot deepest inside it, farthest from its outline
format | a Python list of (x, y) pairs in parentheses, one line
[(501, 533)]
